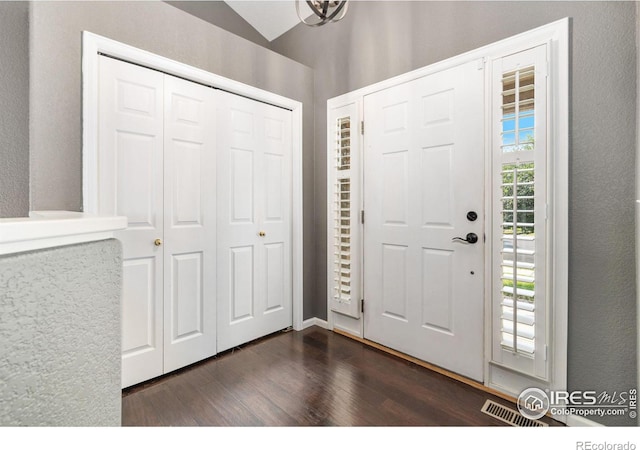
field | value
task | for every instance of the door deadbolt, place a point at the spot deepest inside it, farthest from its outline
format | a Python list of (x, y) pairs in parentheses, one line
[(472, 216)]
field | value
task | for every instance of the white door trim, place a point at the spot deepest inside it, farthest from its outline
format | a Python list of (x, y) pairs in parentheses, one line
[(556, 36), (93, 45)]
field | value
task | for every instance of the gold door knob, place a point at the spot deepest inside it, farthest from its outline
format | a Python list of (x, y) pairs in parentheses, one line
[(262, 234), (157, 242)]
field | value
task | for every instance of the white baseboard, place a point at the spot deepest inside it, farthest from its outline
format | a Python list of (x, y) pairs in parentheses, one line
[(315, 321), (579, 421)]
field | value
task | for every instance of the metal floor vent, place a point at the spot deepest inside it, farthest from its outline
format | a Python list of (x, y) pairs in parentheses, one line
[(507, 415)]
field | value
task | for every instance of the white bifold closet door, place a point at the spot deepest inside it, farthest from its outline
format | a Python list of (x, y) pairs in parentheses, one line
[(189, 223), (157, 168), (423, 183), (254, 220)]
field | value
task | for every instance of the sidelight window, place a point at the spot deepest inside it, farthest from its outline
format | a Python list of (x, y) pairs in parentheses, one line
[(519, 212), (342, 213), (344, 209)]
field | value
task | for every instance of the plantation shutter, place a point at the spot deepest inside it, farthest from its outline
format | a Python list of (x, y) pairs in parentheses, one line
[(519, 287), (344, 224)]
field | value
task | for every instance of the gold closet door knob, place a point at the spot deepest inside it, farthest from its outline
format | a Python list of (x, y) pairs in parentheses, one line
[(262, 234), (157, 242)]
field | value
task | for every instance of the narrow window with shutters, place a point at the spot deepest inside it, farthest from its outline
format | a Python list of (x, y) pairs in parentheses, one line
[(343, 212), (519, 212)]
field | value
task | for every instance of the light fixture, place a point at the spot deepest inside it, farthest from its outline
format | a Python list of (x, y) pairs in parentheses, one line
[(327, 11)]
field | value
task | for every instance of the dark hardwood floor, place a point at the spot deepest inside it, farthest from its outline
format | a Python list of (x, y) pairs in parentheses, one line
[(308, 378)]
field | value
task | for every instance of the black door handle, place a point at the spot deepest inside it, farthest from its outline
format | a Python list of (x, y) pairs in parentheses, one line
[(471, 238)]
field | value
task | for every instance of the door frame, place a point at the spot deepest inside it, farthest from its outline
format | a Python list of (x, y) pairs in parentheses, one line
[(556, 36), (94, 45)]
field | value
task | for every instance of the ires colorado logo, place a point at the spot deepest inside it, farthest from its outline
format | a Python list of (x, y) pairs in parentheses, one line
[(533, 403)]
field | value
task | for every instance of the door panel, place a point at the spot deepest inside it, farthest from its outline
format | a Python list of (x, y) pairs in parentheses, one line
[(242, 189), (254, 215), (190, 224), (423, 171), (437, 186), (186, 174), (395, 200), (274, 268), (138, 315), (135, 197), (130, 163), (273, 173), (242, 274), (186, 297), (437, 280), (394, 281)]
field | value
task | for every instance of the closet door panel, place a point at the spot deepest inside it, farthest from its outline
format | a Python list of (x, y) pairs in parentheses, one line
[(190, 224), (131, 183), (242, 186), (241, 297), (238, 240), (139, 305), (254, 231), (187, 183), (187, 301), (135, 192), (273, 188), (275, 215), (275, 277)]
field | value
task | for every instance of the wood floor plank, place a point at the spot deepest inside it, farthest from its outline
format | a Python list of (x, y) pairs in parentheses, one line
[(310, 378), (136, 411), (168, 408), (245, 384), (227, 405)]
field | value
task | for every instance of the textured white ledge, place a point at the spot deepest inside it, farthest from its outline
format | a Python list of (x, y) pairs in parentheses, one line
[(45, 229)]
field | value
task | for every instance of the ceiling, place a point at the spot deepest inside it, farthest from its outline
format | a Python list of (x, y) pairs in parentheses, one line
[(271, 18)]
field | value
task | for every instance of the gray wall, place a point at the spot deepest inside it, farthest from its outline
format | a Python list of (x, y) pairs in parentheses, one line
[(378, 40), (14, 109), (60, 334), (55, 101)]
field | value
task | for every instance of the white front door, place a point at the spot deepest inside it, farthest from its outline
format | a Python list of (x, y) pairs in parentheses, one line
[(254, 220), (157, 167), (423, 180)]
